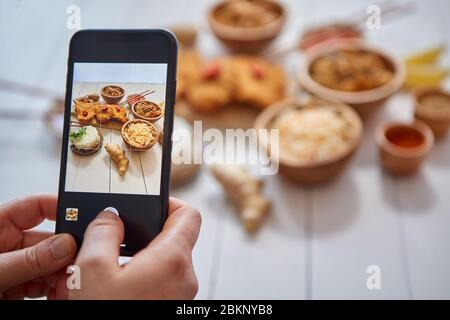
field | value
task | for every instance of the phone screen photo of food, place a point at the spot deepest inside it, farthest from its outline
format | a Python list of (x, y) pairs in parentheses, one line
[(114, 147)]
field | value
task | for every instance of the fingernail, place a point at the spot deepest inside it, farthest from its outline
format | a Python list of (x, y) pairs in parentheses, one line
[(60, 247), (111, 210)]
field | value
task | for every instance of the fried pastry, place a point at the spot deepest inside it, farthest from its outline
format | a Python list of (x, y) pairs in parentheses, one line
[(104, 113), (85, 112), (119, 113), (257, 83), (189, 66), (214, 88)]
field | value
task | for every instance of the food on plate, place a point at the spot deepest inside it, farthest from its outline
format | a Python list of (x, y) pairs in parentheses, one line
[(91, 113), (85, 140), (147, 110), (314, 134), (103, 113), (211, 86), (112, 94), (89, 98), (246, 13), (119, 113), (118, 156), (213, 90), (86, 112), (245, 192), (257, 82), (189, 64), (140, 134), (351, 70)]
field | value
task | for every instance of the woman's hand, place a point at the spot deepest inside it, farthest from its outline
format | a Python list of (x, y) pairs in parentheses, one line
[(163, 270), (29, 260)]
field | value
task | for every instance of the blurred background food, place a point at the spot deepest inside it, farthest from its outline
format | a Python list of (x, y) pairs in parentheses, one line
[(309, 68), (247, 26)]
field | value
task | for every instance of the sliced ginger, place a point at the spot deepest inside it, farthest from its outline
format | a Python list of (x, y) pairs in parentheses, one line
[(245, 192)]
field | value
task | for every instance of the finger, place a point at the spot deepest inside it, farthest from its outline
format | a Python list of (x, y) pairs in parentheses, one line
[(46, 257), (26, 213), (51, 295), (102, 239), (30, 238), (35, 289), (182, 226), (179, 235)]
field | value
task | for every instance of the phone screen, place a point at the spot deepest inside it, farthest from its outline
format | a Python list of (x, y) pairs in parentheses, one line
[(132, 91), (114, 146)]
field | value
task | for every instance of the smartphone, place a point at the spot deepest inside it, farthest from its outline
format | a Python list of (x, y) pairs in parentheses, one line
[(118, 122)]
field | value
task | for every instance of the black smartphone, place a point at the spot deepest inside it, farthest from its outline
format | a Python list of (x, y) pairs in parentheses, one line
[(118, 122)]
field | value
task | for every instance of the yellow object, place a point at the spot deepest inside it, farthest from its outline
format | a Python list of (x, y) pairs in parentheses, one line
[(245, 192), (427, 56), (422, 75), (118, 155)]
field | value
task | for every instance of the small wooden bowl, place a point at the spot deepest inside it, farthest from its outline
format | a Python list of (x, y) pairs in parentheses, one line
[(251, 39), (133, 145), (137, 115), (86, 152), (112, 99), (438, 123), (320, 171), (364, 102), (401, 160)]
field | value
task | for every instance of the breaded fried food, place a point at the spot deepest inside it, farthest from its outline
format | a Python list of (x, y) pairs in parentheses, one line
[(257, 82), (119, 113), (188, 71), (104, 113), (214, 89), (85, 112)]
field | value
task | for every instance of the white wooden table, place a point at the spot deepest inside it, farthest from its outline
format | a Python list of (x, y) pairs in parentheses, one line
[(318, 241)]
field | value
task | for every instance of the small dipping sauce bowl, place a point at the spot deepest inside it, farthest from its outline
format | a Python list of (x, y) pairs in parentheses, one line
[(403, 146)]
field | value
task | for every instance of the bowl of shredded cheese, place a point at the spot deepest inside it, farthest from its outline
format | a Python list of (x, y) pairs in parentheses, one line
[(139, 134), (316, 137)]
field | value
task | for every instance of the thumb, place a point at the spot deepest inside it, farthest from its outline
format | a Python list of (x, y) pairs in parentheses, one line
[(46, 257), (102, 239)]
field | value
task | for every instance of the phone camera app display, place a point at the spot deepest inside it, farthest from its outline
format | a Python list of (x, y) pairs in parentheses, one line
[(116, 120)]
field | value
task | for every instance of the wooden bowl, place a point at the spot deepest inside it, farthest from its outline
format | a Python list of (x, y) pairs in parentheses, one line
[(438, 123), (364, 102), (399, 159), (89, 151), (320, 171), (137, 115), (247, 39), (133, 145), (112, 99)]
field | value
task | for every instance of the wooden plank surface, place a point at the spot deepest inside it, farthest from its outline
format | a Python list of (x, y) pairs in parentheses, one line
[(317, 242)]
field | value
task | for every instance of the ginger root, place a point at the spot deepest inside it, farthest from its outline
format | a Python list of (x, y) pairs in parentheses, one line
[(245, 192), (118, 155)]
